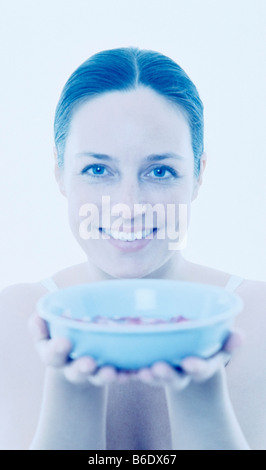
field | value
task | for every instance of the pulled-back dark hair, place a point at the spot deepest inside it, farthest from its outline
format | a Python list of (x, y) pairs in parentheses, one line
[(125, 69)]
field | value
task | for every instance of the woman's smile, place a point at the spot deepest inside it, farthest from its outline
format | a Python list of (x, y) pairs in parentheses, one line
[(129, 241)]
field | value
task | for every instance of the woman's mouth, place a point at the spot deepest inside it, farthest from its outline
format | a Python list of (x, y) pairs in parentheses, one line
[(128, 236), (128, 240)]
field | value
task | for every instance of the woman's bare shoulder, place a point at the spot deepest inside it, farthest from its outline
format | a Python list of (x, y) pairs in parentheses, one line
[(254, 287), (205, 274), (253, 293), (210, 275), (20, 298)]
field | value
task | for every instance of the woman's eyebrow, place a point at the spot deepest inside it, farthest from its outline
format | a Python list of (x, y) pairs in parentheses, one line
[(163, 156), (152, 157), (100, 156)]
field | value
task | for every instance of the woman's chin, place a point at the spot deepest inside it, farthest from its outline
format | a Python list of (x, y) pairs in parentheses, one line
[(126, 273), (121, 270), (106, 264)]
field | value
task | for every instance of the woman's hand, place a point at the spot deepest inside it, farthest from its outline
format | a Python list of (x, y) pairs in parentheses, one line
[(192, 369), (55, 353)]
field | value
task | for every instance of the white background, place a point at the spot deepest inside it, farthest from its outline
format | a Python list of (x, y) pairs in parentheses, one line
[(221, 45)]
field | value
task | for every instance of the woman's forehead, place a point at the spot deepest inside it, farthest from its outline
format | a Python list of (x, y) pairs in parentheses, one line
[(138, 118), (142, 103)]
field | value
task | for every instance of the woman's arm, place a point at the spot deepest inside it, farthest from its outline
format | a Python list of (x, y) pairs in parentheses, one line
[(207, 417), (72, 416), (73, 411)]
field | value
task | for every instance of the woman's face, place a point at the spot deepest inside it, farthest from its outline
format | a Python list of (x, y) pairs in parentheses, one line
[(134, 149)]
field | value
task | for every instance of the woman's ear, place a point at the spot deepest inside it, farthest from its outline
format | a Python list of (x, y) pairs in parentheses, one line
[(198, 182), (58, 172)]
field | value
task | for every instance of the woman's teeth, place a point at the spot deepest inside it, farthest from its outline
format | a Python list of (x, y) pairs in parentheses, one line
[(127, 237)]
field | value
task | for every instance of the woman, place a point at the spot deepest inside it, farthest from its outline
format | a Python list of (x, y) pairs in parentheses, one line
[(129, 127)]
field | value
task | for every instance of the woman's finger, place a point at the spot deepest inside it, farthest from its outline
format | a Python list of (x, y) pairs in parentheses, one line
[(169, 375), (144, 374), (54, 352), (234, 341), (79, 370), (161, 373), (37, 328), (103, 376), (202, 369)]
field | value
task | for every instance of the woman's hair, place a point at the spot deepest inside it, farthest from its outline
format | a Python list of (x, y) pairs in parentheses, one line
[(125, 69)]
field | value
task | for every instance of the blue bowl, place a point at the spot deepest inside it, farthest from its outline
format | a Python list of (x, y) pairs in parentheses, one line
[(209, 309)]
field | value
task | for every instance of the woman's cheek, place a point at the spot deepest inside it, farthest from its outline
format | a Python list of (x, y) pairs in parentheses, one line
[(82, 208)]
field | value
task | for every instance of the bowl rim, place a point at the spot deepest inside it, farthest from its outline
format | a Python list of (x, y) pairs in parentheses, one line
[(237, 306)]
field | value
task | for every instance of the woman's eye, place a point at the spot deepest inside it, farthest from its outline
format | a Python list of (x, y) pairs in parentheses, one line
[(163, 172), (94, 170)]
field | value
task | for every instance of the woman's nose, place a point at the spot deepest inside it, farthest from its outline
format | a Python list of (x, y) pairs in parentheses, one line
[(129, 202)]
